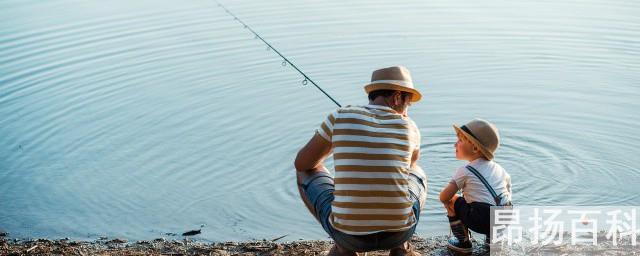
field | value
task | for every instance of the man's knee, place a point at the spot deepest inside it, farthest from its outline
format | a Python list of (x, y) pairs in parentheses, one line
[(302, 176), (418, 171)]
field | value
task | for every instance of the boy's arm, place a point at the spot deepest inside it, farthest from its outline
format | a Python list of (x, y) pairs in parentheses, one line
[(456, 183), (448, 192)]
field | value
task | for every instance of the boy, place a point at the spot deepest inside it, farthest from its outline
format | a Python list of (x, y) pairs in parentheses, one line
[(477, 143)]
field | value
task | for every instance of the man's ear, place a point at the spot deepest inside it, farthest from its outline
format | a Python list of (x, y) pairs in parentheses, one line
[(397, 97)]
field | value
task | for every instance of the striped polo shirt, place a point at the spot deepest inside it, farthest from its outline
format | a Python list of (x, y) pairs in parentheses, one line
[(372, 149)]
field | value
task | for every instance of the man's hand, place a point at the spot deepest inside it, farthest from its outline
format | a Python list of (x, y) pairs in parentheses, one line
[(313, 154)]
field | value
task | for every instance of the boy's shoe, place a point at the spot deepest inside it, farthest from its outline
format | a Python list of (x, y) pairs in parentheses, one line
[(487, 242), (455, 245)]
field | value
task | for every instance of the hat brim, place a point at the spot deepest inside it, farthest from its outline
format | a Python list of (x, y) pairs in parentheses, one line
[(487, 153), (416, 95)]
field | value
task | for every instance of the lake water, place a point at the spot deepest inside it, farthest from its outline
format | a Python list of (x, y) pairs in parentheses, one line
[(135, 119)]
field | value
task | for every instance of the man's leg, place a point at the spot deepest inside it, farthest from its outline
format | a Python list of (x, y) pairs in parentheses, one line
[(405, 249), (305, 178), (301, 177), (422, 195), (418, 193)]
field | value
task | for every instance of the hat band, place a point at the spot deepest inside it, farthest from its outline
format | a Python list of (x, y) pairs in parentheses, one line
[(465, 129), (398, 82)]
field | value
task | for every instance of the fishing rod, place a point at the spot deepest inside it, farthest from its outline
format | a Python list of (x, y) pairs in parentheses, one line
[(285, 59)]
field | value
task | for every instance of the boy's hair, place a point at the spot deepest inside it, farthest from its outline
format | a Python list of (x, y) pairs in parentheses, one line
[(464, 138)]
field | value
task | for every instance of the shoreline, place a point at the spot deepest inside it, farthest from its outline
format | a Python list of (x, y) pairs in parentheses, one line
[(114, 246), (434, 245)]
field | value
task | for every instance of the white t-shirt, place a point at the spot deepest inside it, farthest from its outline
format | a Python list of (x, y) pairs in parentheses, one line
[(473, 190)]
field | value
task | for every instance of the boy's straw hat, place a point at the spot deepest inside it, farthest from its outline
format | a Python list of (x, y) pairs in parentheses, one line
[(482, 134), (393, 78)]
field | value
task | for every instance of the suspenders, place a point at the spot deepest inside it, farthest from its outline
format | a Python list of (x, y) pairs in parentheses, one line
[(496, 197)]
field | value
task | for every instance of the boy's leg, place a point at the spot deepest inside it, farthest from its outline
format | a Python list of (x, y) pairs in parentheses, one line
[(451, 212), (479, 218), (460, 242)]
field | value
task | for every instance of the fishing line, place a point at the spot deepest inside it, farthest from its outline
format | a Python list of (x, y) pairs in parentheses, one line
[(306, 80)]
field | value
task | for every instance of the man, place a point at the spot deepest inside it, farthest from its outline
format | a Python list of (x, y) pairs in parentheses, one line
[(374, 200)]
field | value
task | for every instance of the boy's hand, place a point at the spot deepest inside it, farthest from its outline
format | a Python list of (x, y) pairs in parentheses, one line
[(448, 197)]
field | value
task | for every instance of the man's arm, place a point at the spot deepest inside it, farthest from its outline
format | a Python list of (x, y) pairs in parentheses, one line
[(313, 154)]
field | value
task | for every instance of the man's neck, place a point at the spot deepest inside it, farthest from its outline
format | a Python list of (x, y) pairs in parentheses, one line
[(379, 102)]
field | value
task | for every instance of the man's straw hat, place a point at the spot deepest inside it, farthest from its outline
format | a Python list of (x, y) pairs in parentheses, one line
[(393, 78), (482, 134)]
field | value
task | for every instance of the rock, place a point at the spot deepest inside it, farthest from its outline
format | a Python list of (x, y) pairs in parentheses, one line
[(218, 252), (191, 232), (117, 241)]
